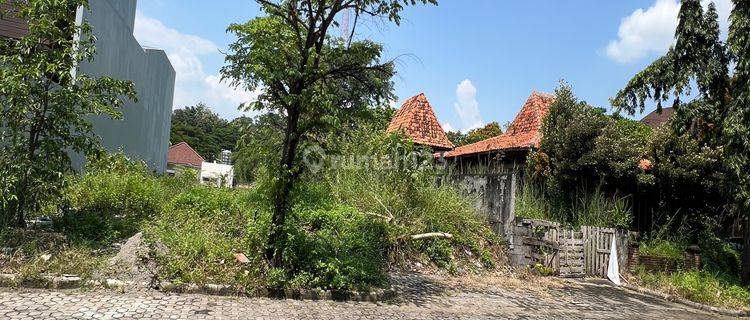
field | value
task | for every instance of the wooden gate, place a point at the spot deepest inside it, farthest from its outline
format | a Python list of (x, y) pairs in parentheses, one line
[(571, 254), (597, 247)]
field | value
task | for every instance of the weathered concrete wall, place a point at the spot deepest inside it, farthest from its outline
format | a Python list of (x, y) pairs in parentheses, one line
[(143, 133)]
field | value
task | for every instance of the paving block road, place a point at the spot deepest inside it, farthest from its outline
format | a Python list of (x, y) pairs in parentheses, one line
[(421, 297)]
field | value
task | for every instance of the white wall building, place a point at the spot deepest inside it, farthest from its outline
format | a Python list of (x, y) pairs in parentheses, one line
[(220, 175)]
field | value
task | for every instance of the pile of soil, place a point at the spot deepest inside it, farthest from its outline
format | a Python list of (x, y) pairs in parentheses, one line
[(134, 264)]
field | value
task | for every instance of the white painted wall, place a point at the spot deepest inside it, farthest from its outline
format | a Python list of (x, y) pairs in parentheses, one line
[(220, 175)]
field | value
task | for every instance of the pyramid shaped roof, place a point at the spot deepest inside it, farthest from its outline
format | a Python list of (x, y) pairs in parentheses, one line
[(417, 120), (523, 133)]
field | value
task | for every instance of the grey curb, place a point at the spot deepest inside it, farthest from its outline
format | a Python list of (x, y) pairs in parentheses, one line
[(297, 294), (73, 282)]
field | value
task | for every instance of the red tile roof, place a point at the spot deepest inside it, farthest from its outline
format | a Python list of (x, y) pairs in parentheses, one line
[(417, 120), (523, 133), (183, 154), (656, 119)]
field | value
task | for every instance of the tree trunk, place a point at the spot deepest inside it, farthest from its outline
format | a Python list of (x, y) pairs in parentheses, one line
[(282, 192), (746, 251)]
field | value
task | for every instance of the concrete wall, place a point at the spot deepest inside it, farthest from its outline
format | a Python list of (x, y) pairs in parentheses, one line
[(143, 133)]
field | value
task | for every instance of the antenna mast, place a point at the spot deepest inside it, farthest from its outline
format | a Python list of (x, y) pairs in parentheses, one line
[(345, 26)]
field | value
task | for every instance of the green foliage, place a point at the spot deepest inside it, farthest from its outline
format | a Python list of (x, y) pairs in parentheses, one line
[(201, 228), (490, 130), (578, 208), (404, 189), (205, 131), (618, 150), (309, 78), (532, 202), (663, 248), (700, 286), (46, 107), (337, 248), (737, 129), (110, 201), (569, 132), (719, 117), (585, 160), (258, 146), (686, 182)]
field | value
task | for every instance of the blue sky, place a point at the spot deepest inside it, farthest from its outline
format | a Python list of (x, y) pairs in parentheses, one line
[(476, 60)]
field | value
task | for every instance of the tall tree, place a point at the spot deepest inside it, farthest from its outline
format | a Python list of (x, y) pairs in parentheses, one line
[(718, 118), (45, 106), (204, 130), (737, 129), (309, 77)]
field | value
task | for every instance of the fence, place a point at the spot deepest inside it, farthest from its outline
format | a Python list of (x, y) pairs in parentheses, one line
[(494, 194), (568, 252)]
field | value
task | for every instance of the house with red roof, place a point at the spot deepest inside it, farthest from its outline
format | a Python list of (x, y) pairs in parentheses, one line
[(509, 149), (183, 155), (416, 119)]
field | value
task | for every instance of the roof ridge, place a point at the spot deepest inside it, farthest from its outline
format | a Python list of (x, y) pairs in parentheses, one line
[(417, 119)]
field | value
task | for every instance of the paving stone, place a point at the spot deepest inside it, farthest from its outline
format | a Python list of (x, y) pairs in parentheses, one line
[(420, 298)]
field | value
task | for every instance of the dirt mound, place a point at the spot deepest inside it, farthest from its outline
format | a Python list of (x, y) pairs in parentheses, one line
[(134, 263)]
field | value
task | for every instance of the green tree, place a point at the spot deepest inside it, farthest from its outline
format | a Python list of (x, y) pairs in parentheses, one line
[(565, 159), (309, 77), (737, 128), (45, 106), (457, 137), (490, 130), (718, 117), (204, 130)]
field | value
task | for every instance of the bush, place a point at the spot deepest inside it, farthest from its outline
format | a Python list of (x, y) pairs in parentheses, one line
[(663, 248), (110, 200), (397, 180), (337, 248)]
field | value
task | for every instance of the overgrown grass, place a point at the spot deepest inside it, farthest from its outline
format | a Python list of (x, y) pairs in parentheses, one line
[(201, 229), (347, 228), (406, 193), (662, 248), (701, 286), (34, 254), (717, 283), (582, 208)]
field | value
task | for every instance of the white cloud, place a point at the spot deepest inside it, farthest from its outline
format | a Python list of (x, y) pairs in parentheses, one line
[(467, 106), (219, 90), (447, 127), (645, 32), (651, 31), (193, 84)]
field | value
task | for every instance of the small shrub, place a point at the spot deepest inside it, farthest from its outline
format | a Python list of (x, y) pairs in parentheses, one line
[(440, 252), (663, 248), (110, 201), (337, 249)]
